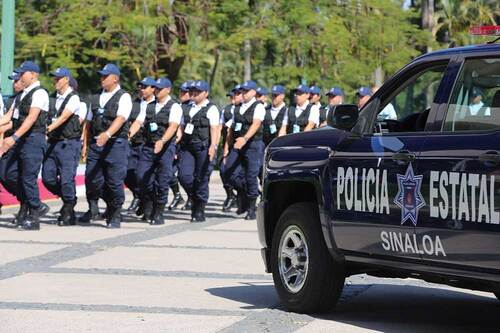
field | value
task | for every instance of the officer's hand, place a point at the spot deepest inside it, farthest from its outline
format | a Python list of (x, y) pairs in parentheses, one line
[(102, 139), (6, 145), (158, 146), (212, 152), (84, 153), (240, 142)]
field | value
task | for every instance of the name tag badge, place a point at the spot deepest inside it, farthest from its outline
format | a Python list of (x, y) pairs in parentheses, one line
[(100, 110), (296, 128), (153, 127), (15, 114), (272, 128), (189, 129), (238, 127)]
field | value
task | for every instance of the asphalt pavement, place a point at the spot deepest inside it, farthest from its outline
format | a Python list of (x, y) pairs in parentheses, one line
[(185, 277)]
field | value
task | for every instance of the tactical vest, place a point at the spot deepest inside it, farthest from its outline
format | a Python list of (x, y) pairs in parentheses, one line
[(71, 129), (201, 123), (301, 120), (23, 106), (13, 100), (268, 121), (323, 113), (138, 138), (156, 124), (246, 120), (102, 118)]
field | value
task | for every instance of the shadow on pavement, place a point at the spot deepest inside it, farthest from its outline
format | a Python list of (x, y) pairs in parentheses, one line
[(258, 295), (404, 308)]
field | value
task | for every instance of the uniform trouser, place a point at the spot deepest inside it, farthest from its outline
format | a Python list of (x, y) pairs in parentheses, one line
[(131, 181), (228, 169), (28, 156), (59, 168), (250, 158), (175, 168), (195, 168), (106, 171), (9, 170), (155, 172)]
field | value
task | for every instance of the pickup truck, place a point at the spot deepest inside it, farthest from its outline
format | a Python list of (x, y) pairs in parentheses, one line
[(414, 192)]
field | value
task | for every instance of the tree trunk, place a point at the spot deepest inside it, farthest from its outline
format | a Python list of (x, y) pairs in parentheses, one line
[(247, 50), (428, 17)]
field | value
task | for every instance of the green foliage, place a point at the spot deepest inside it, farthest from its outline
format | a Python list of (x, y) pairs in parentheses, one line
[(324, 42)]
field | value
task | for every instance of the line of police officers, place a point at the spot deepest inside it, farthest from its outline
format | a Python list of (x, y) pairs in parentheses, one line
[(150, 144)]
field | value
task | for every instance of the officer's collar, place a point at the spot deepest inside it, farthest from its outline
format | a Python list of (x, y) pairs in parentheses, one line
[(32, 86), (66, 93), (304, 106), (253, 100), (279, 107), (151, 101), (205, 103), (166, 101), (112, 91)]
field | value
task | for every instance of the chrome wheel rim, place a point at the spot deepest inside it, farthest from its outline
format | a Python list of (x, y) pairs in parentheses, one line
[(293, 257)]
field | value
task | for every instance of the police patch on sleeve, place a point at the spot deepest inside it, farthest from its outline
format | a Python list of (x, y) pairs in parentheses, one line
[(409, 197)]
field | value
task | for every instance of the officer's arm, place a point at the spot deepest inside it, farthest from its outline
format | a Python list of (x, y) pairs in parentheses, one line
[(178, 137), (282, 131), (134, 128), (28, 122), (256, 123), (116, 125), (214, 135), (65, 115), (6, 118), (170, 132), (5, 128), (229, 140)]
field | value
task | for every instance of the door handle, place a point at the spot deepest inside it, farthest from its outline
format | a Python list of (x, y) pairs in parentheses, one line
[(490, 156), (403, 156)]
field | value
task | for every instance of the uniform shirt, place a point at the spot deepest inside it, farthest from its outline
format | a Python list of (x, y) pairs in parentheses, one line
[(40, 99), (387, 113), (276, 110), (229, 123), (474, 109), (2, 106), (313, 114), (142, 113), (212, 113), (124, 104), (259, 112), (175, 111), (82, 111), (73, 104)]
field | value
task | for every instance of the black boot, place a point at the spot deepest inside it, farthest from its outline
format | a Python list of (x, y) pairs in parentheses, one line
[(114, 218), (148, 210), (67, 215), (200, 213), (32, 221), (21, 214), (92, 214), (157, 218), (133, 204), (194, 210), (229, 202), (242, 203), (178, 199), (252, 209), (140, 208), (188, 205)]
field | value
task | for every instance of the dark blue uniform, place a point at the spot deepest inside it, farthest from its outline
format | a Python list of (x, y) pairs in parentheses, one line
[(249, 158), (61, 160), (155, 171), (224, 174), (107, 165), (195, 166)]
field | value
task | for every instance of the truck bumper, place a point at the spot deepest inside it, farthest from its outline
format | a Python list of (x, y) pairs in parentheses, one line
[(261, 228)]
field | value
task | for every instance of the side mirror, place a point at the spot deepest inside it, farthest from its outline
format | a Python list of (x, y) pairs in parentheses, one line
[(343, 116)]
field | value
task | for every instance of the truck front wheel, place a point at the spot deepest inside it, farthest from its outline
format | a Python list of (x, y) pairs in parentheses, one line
[(305, 275)]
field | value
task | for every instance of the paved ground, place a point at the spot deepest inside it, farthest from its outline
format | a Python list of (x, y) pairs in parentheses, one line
[(196, 278)]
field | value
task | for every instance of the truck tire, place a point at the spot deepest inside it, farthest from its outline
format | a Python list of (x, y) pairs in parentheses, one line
[(306, 277)]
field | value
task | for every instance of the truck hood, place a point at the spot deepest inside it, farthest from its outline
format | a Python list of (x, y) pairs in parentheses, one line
[(323, 137)]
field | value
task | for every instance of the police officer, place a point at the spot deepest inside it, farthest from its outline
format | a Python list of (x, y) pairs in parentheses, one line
[(276, 118), (335, 97), (227, 119), (315, 99), (304, 116), (155, 164), (108, 148), (146, 100), (261, 95), (8, 164), (363, 94), (64, 133), (198, 148), (29, 116), (246, 132)]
